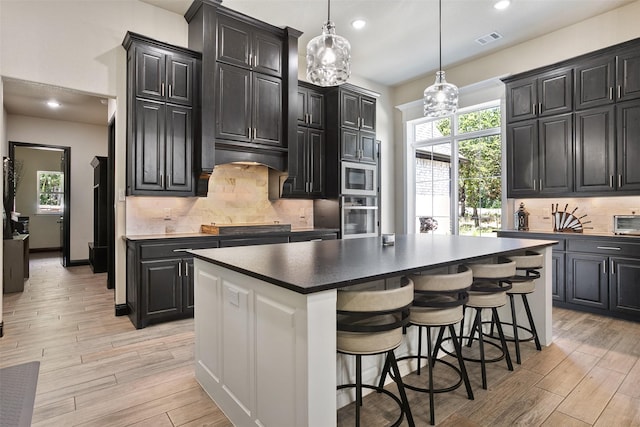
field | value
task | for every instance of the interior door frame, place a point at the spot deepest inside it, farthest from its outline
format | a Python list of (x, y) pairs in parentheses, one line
[(111, 233), (66, 237)]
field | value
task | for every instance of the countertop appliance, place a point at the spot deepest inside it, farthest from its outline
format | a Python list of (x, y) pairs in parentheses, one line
[(626, 224)]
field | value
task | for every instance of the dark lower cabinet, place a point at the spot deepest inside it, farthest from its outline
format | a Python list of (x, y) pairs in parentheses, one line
[(587, 280), (557, 276), (624, 285), (595, 274), (160, 280)]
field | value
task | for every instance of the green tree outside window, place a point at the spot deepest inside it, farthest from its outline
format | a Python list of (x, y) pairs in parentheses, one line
[(50, 192)]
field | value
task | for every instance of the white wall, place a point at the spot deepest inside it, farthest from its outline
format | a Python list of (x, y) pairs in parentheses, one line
[(85, 141), (613, 27), (44, 230), (76, 44)]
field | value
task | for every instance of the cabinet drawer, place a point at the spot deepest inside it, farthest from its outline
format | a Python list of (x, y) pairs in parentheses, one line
[(605, 247), (166, 250), (253, 241), (308, 238)]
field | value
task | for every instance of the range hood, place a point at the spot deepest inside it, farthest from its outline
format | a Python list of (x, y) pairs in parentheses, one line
[(275, 158)]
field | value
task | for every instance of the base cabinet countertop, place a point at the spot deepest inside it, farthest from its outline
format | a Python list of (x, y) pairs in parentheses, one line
[(265, 317)]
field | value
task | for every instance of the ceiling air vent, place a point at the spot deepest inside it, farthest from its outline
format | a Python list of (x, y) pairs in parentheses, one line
[(489, 38)]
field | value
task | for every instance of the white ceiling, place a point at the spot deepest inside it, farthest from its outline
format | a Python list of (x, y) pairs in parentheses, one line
[(399, 43)]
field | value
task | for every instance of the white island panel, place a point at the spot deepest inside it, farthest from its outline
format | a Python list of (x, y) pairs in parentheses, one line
[(253, 355)]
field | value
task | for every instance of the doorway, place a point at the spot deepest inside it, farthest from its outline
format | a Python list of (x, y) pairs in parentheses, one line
[(46, 211)]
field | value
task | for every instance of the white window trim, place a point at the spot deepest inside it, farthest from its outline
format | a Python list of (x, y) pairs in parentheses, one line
[(410, 149)]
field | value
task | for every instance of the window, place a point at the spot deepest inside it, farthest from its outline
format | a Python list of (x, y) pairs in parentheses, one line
[(50, 192), (457, 172)]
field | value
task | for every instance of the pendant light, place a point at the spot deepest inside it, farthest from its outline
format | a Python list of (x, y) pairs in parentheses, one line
[(441, 98), (328, 56)]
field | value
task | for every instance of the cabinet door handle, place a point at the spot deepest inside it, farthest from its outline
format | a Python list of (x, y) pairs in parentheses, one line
[(540, 185), (362, 122), (611, 181), (250, 60), (358, 122), (604, 266), (249, 130), (310, 118), (186, 270), (540, 108), (170, 91), (533, 107), (180, 269), (182, 250), (162, 89), (611, 93), (612, 248), (611, 269), (162, 180), (534, 184), (619, 91), (619, 181)]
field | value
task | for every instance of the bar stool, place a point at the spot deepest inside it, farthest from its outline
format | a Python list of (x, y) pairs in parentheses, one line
[(528, 264), (437, 302), (488, 291), (371, 323)]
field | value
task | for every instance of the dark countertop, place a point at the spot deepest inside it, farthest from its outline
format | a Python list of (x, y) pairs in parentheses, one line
[(308, 267), (139, 237)]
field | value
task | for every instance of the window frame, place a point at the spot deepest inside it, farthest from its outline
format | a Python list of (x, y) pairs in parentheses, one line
[(454, 138), (39, 209)]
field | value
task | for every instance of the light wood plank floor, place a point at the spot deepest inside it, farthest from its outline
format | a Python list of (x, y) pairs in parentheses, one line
[(98, 370)]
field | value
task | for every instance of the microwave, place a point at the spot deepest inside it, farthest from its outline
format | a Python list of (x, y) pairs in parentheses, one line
[(359, 179), (626, 224)]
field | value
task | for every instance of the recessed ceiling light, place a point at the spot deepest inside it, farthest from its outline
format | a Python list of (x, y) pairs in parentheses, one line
[(358, 24), (53, 104), (502, 4)]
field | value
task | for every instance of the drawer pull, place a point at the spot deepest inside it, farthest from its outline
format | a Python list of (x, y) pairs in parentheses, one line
[(182, 250), (609, 247), (604, 267)]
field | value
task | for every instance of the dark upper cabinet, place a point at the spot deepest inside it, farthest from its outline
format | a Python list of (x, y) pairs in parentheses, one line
[(608, 78), (358, 146), (307, 154), (539, 156), (628, 74), (162, 83), (628, 146), (539, 96), (266, 116), (233, 120), (357, 111), (243, 45), (162, 149), (164, 76), (595, 82), (310, 109), (306, 164), (595, 150)]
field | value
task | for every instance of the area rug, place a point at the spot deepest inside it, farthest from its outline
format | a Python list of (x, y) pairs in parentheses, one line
[(17, 394)]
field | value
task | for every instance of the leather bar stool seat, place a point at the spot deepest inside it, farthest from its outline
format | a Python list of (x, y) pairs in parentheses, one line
[(370, 323), (528, 267), (488, 291), (438, 300)]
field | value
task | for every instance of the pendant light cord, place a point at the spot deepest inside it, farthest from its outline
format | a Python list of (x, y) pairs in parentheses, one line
[(328, 10), (440, 29)]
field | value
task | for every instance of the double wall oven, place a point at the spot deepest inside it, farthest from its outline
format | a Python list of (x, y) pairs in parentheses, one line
[(359, 212)]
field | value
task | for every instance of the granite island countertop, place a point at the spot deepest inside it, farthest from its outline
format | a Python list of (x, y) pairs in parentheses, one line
[(308, 267)]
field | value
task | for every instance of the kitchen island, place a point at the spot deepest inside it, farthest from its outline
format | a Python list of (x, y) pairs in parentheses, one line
[(265, 319)]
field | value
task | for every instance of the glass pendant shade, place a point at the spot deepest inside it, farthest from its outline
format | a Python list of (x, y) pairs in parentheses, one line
[(441, 98), (328, 58)]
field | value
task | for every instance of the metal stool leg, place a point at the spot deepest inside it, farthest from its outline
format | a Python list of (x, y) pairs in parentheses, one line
[(463, 369), (432, 412), (478, 324), (502, 339), (403, 394), (514, 321), (533, 325)]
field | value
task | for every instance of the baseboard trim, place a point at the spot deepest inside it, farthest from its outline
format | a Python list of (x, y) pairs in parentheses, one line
[(34, 250), (78, 262), (122, 309)]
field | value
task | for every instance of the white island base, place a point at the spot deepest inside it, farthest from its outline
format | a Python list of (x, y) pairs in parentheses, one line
[(267, 355)]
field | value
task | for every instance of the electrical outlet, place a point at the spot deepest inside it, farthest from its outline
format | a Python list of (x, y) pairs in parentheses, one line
[(167, 213)]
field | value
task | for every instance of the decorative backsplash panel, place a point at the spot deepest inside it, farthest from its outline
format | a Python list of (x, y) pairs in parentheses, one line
[(599, 211), (237, 194)]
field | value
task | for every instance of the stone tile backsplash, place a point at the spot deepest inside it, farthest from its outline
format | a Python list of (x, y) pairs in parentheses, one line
[(237, 194), (599, 211)]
